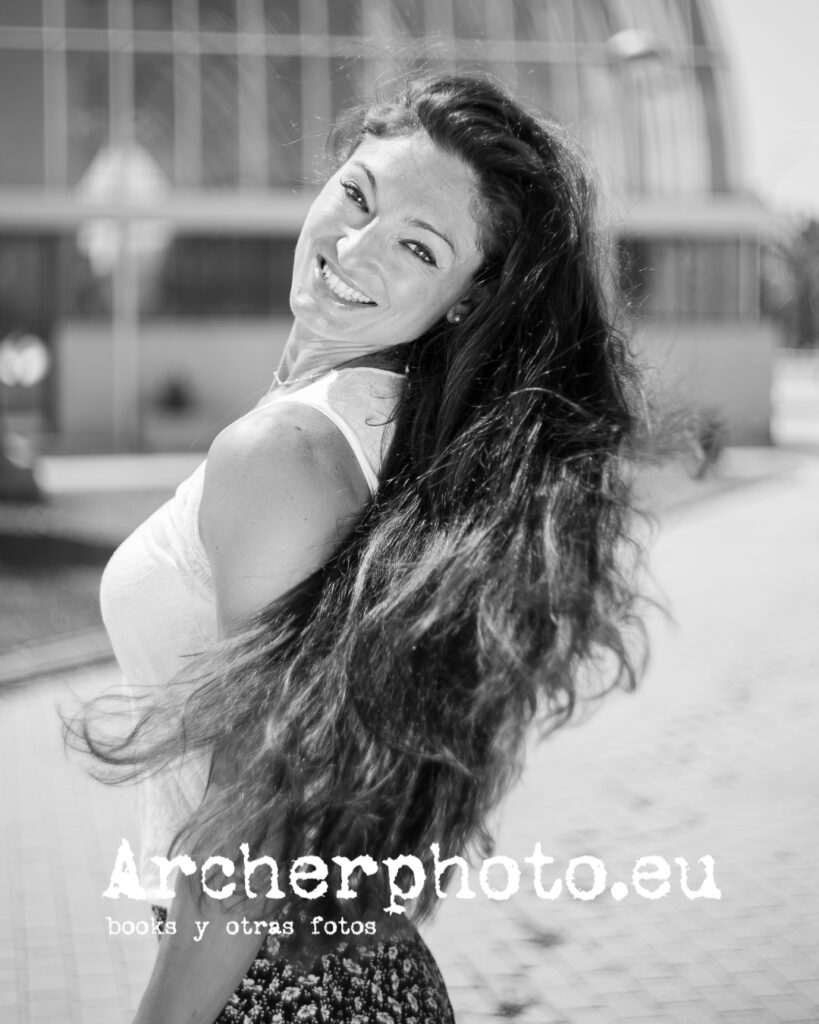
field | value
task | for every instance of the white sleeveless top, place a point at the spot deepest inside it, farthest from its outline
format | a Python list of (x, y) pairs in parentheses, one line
[(157, 595)]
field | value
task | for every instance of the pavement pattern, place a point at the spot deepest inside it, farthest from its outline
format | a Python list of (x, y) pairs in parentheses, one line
[(716, 755)]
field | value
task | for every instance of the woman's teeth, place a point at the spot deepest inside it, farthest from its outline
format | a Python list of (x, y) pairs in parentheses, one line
[(342, 290)]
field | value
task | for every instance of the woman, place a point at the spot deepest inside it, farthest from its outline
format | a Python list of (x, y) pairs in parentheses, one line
[(409, 550)]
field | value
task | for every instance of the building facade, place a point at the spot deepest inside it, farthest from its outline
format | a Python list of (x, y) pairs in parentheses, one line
[(158, 158)]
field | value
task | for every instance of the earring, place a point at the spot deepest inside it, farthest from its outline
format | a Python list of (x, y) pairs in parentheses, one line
[(455, 318)]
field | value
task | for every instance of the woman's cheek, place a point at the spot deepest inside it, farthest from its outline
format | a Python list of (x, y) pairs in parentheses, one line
[(420, 295), (426, 309)]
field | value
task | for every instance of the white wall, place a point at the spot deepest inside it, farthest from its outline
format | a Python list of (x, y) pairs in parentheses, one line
[(228, 364), (725, 365)]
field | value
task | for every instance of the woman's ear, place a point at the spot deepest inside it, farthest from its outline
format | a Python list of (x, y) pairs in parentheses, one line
[(461, 309)]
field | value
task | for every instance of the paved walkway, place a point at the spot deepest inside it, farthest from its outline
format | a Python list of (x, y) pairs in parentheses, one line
[(716, 755)]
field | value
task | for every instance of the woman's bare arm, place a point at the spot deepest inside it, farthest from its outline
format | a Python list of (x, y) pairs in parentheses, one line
[(278, 488), (280, 484), (192, 980)]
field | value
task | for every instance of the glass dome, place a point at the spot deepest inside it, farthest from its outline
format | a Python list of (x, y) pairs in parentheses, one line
[(206, 122), (237, 94), (644, 82)]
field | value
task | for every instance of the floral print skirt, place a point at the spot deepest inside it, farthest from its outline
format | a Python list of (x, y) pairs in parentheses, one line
[(361, 982)]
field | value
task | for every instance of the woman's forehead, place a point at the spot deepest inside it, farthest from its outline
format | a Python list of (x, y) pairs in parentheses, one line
[(419, 179)]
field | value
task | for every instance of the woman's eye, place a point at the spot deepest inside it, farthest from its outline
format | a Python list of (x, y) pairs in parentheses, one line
[(355, 193), (422, 252)]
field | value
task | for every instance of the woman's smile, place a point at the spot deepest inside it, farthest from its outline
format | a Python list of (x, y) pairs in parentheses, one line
[(340, 288)]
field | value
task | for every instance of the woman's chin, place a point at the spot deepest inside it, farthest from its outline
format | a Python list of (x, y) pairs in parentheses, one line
[(311, 324)]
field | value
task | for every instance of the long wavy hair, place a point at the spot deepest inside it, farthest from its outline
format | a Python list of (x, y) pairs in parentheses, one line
[(382, 704)]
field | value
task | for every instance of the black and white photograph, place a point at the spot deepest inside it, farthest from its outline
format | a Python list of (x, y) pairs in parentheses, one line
[(409, 531)]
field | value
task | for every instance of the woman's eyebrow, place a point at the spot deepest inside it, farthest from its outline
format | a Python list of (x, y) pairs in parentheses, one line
[(423, 224), (414, 222), (369, 173)]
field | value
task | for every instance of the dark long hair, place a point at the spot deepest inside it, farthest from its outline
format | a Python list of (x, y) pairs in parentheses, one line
[(381, 705)]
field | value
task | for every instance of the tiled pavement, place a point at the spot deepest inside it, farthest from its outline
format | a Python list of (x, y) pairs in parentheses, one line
[(715, 755)]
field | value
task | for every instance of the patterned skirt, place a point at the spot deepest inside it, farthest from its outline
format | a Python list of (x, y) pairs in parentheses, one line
[(360, 982)]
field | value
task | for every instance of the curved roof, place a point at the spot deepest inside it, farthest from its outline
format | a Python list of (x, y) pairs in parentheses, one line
[(644, 82), (227, 94)]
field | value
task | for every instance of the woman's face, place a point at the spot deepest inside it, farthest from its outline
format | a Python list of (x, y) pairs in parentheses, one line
[(389, 246)]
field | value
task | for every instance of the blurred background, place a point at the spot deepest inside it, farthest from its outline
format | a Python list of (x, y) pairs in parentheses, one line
[(156, 161), (158, 158)]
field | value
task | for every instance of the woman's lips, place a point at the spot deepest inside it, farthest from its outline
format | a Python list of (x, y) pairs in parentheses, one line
[(340, 290)]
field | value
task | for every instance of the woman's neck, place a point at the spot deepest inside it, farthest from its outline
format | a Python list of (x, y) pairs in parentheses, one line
[(311, 356)]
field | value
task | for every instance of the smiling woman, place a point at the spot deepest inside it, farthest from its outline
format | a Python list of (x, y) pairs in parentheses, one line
[(344, 624), (388, 248)]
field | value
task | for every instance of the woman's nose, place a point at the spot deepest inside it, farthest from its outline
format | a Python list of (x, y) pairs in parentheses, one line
[(357, 244)]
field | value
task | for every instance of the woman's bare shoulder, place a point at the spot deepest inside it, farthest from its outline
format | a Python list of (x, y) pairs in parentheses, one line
[(290, 443), (281, 487)]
